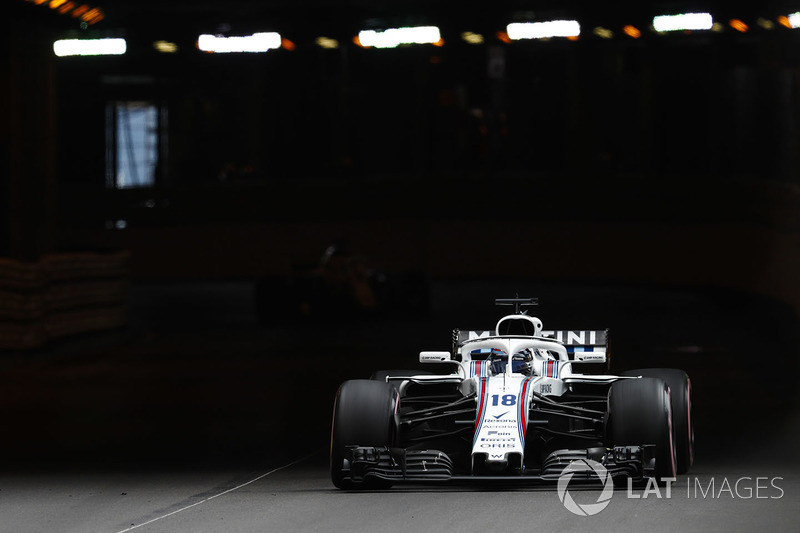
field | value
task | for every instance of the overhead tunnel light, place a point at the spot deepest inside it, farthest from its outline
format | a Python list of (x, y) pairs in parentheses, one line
[(66, 8), (165, 47), (394, 37), (739, 26), (603, 33), (255, 43), (327, 43), (87, 14), (632, 31), (89, 47), (683, 22), (543, 30), (472, 38), (765, 23)]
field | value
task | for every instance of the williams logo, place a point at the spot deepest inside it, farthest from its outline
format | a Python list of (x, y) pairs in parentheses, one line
[(584, 468)]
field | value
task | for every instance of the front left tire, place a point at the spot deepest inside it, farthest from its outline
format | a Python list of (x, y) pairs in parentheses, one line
[(363, 415)]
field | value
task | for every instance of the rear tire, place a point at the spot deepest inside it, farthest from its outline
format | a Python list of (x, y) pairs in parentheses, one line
[(640, 412), (363, 415), (681, 391)]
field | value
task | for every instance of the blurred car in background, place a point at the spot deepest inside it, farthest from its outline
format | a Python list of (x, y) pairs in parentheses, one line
[(340, 285)]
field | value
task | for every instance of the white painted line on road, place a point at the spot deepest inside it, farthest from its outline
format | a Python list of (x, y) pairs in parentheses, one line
[(218, 495)]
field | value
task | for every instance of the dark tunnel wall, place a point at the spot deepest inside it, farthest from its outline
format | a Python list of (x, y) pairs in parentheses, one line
[(669, 159)]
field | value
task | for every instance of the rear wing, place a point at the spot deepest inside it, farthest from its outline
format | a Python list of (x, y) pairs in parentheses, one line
[(583, 346)]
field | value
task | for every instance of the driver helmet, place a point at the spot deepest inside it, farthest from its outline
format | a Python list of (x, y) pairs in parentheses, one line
[(521, 362)]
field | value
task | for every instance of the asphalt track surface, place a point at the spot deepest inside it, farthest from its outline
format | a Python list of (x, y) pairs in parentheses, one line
[(299, 497), (187, 421)]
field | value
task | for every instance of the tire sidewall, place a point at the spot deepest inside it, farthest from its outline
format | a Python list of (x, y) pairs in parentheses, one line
[(363, 415), (681, 393), (640, 413)]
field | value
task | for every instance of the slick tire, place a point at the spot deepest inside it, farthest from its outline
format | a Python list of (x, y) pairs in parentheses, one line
[(681, 392), (363, 415), (639, 413)]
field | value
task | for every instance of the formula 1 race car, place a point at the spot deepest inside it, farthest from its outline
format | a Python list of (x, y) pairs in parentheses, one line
[(513, 407)]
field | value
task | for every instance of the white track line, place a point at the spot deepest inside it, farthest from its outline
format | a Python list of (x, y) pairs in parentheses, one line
[(218, 495)]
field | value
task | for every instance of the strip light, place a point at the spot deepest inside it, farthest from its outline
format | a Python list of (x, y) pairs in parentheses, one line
[(89, 47), (543, 30), (258, 42), (685, 21), (394, 37)]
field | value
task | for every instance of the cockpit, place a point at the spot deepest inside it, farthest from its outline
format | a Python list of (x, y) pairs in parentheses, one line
[(528, 361)]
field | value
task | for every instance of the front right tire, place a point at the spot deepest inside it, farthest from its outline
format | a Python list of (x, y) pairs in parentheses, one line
[(639, 413), (681, 393)]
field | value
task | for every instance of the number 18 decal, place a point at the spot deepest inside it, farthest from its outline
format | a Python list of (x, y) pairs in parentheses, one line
[(506, 399)]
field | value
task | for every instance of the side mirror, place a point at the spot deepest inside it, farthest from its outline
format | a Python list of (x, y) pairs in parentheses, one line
[(590, 357), (434, 357)]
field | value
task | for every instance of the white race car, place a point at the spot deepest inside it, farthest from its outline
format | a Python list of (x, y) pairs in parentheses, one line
[(490, 420)]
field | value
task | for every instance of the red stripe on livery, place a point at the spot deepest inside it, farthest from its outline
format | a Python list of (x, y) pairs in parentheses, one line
[(481, 406), (523, 409)]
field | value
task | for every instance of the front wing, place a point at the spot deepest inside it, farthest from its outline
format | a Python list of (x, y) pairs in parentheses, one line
[(398, 465)]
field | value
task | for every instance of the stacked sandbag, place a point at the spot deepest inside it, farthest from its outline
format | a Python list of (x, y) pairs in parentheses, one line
[(60, 295)]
